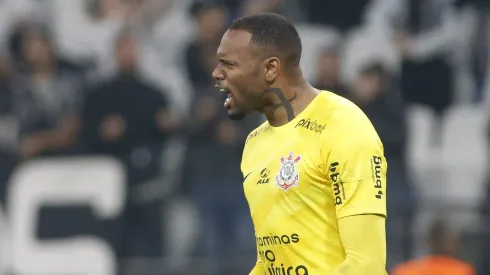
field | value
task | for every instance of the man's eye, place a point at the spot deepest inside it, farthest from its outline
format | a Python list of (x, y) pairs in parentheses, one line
[(226, 63)]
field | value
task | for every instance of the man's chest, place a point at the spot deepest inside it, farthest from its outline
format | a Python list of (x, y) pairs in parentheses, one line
[(283, 179)]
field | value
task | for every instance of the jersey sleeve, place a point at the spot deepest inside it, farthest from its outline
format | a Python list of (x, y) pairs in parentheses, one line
[(355, 166), (364, 241)]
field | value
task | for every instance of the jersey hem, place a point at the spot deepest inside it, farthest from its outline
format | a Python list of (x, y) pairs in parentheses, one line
[(362, 210)]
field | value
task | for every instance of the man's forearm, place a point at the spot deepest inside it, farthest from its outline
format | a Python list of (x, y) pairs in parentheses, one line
[(364, 241), (66, 135), (355, 266)]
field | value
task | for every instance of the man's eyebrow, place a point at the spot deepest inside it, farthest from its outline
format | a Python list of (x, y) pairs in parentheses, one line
[(223, 58)]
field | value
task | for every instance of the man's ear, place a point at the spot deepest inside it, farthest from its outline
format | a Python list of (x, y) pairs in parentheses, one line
[(272, 67)]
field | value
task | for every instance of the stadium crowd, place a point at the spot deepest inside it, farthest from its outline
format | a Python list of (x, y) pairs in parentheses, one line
[(131, 79)]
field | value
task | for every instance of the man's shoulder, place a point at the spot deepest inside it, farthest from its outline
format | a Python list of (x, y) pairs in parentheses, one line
[(335, 110), (339, 103), (264, 127), (344, 121)]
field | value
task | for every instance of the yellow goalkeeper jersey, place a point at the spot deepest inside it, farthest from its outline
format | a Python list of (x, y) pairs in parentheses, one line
[(300, 178)]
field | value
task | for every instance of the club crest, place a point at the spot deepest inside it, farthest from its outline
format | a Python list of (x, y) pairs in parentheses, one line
[(288, 176)]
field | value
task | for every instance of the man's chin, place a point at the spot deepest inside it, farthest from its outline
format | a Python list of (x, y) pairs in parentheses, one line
[(233, 115)]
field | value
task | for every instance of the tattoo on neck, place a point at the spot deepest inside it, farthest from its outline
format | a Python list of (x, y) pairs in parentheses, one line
[(275, 106), (286, 103)]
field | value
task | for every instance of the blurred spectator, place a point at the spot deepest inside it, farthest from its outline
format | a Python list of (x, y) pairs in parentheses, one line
[(341, 15), (129, 119), (14, 44), (48, 98), (210, 22), (212, 174), (214, 182), (379, 98), (329, 72), (480, 43), (7, 125), (7, 130), (426, 40), (444, 247), (484, 261)]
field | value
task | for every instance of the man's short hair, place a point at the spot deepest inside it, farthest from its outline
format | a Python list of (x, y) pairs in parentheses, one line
[(198, 7), (274, 35), (374, 68)]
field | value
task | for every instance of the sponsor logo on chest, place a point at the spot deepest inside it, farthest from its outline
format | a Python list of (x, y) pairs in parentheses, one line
[(311, 125)]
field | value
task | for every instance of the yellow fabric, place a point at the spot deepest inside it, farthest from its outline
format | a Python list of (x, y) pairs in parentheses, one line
[(364, 241), (303, 177)]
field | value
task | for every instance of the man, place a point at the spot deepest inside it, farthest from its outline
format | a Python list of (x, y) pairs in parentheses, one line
[(47, 98), (210, 20), (328, 75), (314, 172), (377, 94), (128, 118), (443, 243)]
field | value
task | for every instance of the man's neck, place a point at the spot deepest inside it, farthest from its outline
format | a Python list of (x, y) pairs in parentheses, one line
[(287, 103)]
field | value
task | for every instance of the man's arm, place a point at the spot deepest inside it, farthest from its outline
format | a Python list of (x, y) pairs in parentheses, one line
[(63, 137), (356, 169), (364, 240)]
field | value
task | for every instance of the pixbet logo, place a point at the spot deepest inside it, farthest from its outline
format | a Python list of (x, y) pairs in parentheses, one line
[(311, 125)]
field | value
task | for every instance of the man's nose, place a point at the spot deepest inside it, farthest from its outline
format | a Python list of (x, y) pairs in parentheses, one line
[(217, 74)]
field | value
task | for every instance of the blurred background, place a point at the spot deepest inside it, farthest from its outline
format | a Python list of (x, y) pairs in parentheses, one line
[(116, 156)]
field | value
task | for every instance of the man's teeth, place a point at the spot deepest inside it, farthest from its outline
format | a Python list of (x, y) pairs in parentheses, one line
[(223, 90)]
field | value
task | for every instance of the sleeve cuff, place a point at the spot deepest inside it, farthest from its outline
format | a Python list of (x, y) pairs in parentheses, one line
[(361, 210)]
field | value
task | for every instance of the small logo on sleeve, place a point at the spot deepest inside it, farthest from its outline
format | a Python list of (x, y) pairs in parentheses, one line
[(376, 163), (337, 184)]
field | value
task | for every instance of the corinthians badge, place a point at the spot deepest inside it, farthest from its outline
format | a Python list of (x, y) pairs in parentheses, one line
[(288, 176)]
